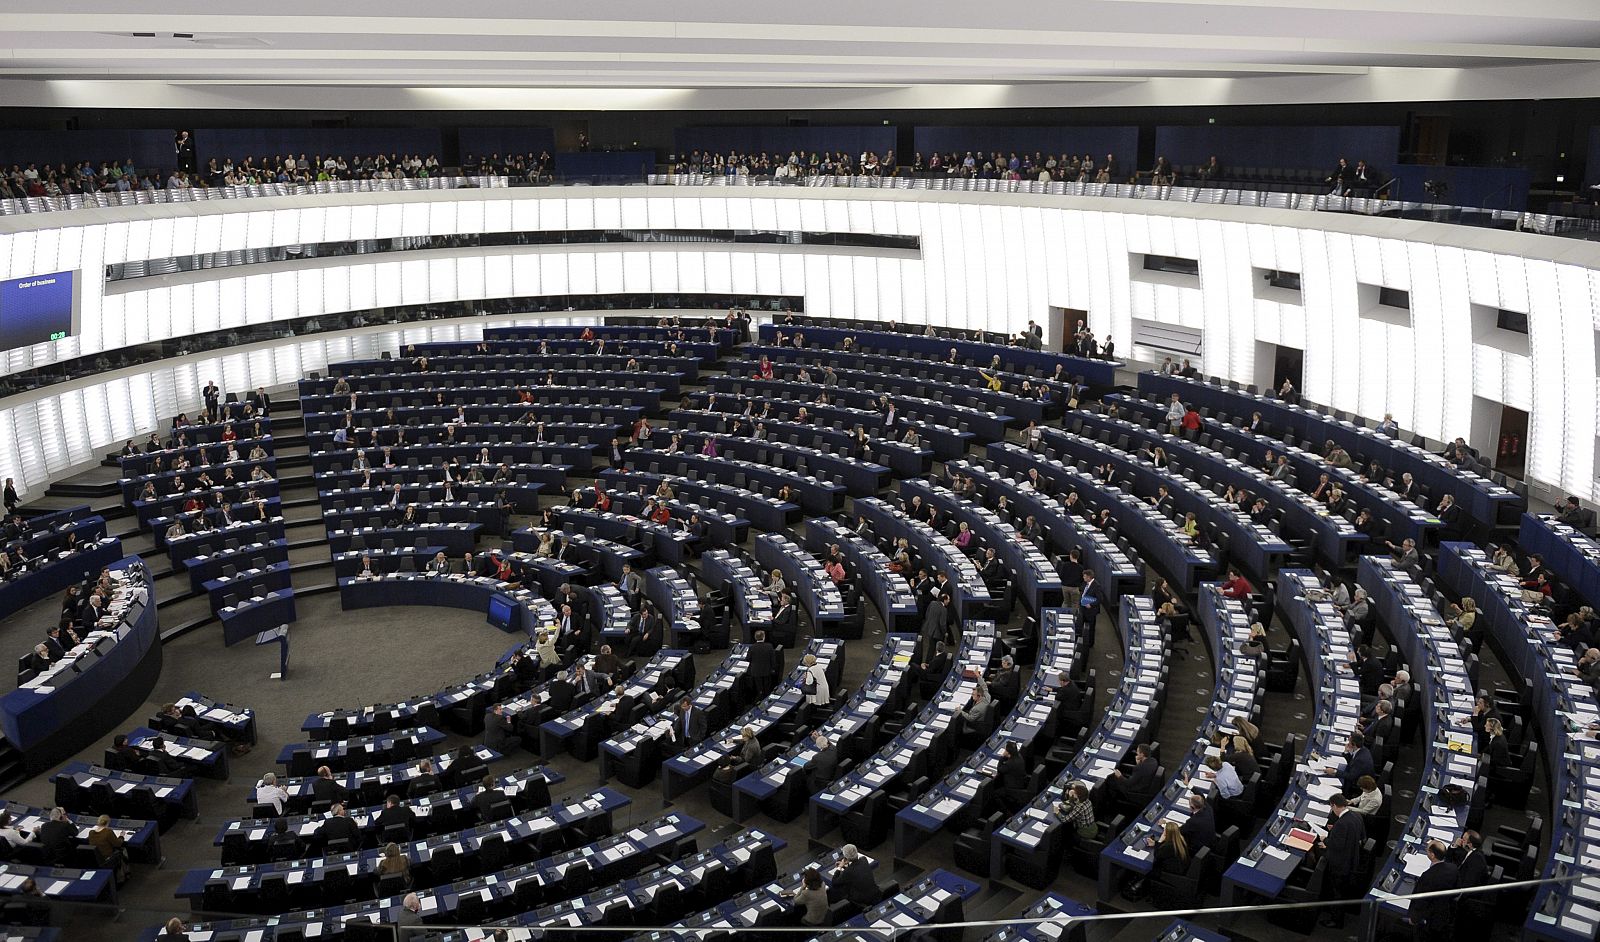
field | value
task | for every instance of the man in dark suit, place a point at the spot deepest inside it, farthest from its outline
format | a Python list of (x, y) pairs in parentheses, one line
[(1011, 778), (284, 844), (1068, 694), (1435, 916), (1381, 727), (1357, 762), (853, 880), (647, 634), (993, 572), (1341, 849), (59, 838), (587, 682), (1472, 869), (324, 788), (425, 781), (1006, 683), (763, 659), (1201, 828), (1140, 781), (339, 827), (1369, 670), (1088, 608), (689, 725), (488, 799), (395, 813), (785, 621), (824, 766), (498, 728)]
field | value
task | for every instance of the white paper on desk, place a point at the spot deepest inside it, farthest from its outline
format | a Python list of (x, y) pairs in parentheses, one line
[(1417, 864), (946, 806), (1585, 913), (1277, 852)]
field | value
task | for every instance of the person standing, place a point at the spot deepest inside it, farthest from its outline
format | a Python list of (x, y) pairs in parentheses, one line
[(1342, 851)]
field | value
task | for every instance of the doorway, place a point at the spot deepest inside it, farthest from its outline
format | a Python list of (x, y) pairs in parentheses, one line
[(1511, 448), (1061, 325)]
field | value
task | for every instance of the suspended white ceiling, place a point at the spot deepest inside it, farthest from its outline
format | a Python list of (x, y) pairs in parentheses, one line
[(762, 54)]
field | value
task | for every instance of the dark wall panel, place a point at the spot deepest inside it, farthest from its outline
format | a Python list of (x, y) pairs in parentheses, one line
[(266, 143), (632, 164), (1483, 187), (1096, 141), (853, 139), (150, 149), (1282, 147), (486, 141)]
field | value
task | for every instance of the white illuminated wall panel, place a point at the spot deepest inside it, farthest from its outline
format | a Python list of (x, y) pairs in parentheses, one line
[(987, 261)]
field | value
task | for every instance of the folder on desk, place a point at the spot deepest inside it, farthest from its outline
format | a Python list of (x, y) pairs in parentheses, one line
[(1299, 839)]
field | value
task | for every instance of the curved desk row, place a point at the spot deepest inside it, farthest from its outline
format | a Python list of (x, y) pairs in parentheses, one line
[(142, 464), (856, 476), (946, 442), (784, 782), (761, 511), (937, 552), (727, 572), (248, 878), (1446, 675), (655, 540), (528, 788), (1402, 517), (213, 566), (1029, 844), (634, 753), (234, 536), (1158, 538), (963, 792), (608, 419), (1569, 554), (896, 375), (1235, 695), (695, 765), (1257, 550), (901, 459), (51, 575), (381, 384), (813, 494), (1335, 538), (392, 779), (1032, 573), (1566, 709), (1116, 571), (599, 555), (667, 669), (925, 742), (540, 396), (983, 424), (889, 590), (719, 528), (163, 481), (1014, 358), (1482, 500), (87, 693), (521, 610), (814, 591), (1265, 867), (427, 709)]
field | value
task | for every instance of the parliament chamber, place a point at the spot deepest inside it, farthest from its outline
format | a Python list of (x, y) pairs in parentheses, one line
[(1080, 474)]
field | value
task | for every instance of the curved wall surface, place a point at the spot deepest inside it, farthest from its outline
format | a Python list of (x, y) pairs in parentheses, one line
[(1441, 365)]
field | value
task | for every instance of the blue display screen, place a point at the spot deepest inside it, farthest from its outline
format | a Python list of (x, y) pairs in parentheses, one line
[(500, 612), (35, 309)]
